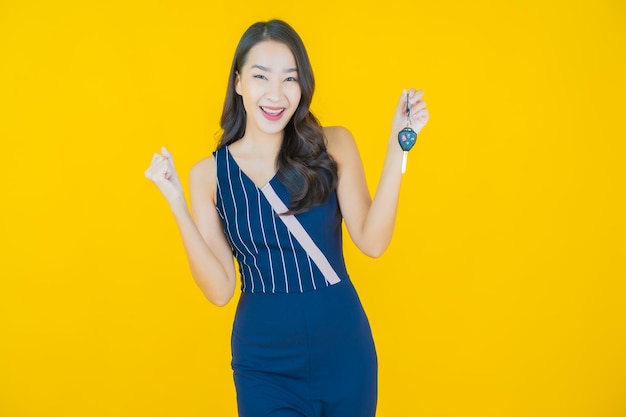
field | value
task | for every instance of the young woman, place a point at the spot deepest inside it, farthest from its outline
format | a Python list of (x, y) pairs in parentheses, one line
[(301, 342)]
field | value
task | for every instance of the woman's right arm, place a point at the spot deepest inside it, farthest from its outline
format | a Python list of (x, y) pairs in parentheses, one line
[(208, 252)]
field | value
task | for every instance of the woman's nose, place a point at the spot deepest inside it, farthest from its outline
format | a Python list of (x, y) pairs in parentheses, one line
[(275, 90)]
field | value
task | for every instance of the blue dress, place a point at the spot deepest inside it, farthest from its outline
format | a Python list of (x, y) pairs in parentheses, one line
[(300, 346)]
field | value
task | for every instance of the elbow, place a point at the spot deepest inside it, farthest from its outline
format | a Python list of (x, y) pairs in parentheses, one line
[(373, 243), (219, 295), (374, 254), (374, 251), (220, 300)]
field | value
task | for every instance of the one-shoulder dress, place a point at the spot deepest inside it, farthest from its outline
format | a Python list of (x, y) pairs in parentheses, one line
[(300, 345)]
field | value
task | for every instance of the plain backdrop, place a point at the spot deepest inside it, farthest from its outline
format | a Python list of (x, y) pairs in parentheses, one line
[(502, 293)]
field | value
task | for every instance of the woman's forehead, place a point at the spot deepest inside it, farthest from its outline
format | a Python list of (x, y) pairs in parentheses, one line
[(271, 56)]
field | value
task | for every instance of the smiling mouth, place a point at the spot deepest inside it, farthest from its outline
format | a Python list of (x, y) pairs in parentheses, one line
[(272, 111)]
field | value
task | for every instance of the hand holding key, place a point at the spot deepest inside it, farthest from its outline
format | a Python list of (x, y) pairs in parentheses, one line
[(416, 116)]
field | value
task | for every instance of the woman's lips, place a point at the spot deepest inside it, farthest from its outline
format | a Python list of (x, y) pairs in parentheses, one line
[(272, 113)]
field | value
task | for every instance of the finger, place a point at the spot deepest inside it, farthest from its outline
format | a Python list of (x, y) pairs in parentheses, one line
[(166, 152), (158, 170), (420, 117), (415, 95), (419, 106), (157, 158), (154, 164), (402, 102), (420, 112), (423, 116), (162, 165)]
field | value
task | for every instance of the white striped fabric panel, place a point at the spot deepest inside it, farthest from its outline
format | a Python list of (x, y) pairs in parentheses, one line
[(256, 250), (232, 195), (301, 235)]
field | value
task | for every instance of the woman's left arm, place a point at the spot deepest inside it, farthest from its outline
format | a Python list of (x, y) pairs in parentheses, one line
[(370, 222)]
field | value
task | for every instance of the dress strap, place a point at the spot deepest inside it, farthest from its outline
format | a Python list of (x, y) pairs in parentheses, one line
[(301, 235)]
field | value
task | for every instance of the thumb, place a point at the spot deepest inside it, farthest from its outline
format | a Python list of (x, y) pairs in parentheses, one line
[(165, 152), (173, 175)]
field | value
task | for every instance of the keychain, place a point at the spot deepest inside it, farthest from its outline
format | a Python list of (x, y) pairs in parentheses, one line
[(407, 136)]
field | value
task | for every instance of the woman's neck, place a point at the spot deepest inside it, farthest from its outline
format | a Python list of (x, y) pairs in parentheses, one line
[(262, 143)]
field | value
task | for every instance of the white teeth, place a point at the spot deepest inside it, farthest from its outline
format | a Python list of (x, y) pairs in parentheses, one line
[(272, 112)]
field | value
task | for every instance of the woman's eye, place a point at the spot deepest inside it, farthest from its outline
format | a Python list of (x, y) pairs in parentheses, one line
[(291, 79), (259, 76)]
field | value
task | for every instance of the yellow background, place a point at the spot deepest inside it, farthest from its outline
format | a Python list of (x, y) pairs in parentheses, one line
[(502, 293)]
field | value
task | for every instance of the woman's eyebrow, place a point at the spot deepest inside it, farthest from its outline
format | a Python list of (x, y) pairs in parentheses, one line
[(262, 68)]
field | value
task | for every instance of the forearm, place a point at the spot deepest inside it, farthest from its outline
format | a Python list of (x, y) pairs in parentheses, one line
[(379, 222), (371, 222), (208, 272)]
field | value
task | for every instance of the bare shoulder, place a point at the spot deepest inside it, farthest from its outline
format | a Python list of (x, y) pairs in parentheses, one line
[(339, 142), (202, 176), (203, 170)]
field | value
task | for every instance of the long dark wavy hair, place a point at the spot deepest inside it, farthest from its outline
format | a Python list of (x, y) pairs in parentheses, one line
[(303, 163)]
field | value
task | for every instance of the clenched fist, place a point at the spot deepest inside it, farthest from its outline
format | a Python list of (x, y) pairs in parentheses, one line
[(163, 174)]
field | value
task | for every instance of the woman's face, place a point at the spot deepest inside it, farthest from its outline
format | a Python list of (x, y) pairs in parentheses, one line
[(268, 84)]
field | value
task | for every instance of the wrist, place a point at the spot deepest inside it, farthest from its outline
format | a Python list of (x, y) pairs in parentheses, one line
[(179, 206), (392, 143)]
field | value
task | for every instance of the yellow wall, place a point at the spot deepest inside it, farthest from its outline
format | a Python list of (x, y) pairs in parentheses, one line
[(502, 293)]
